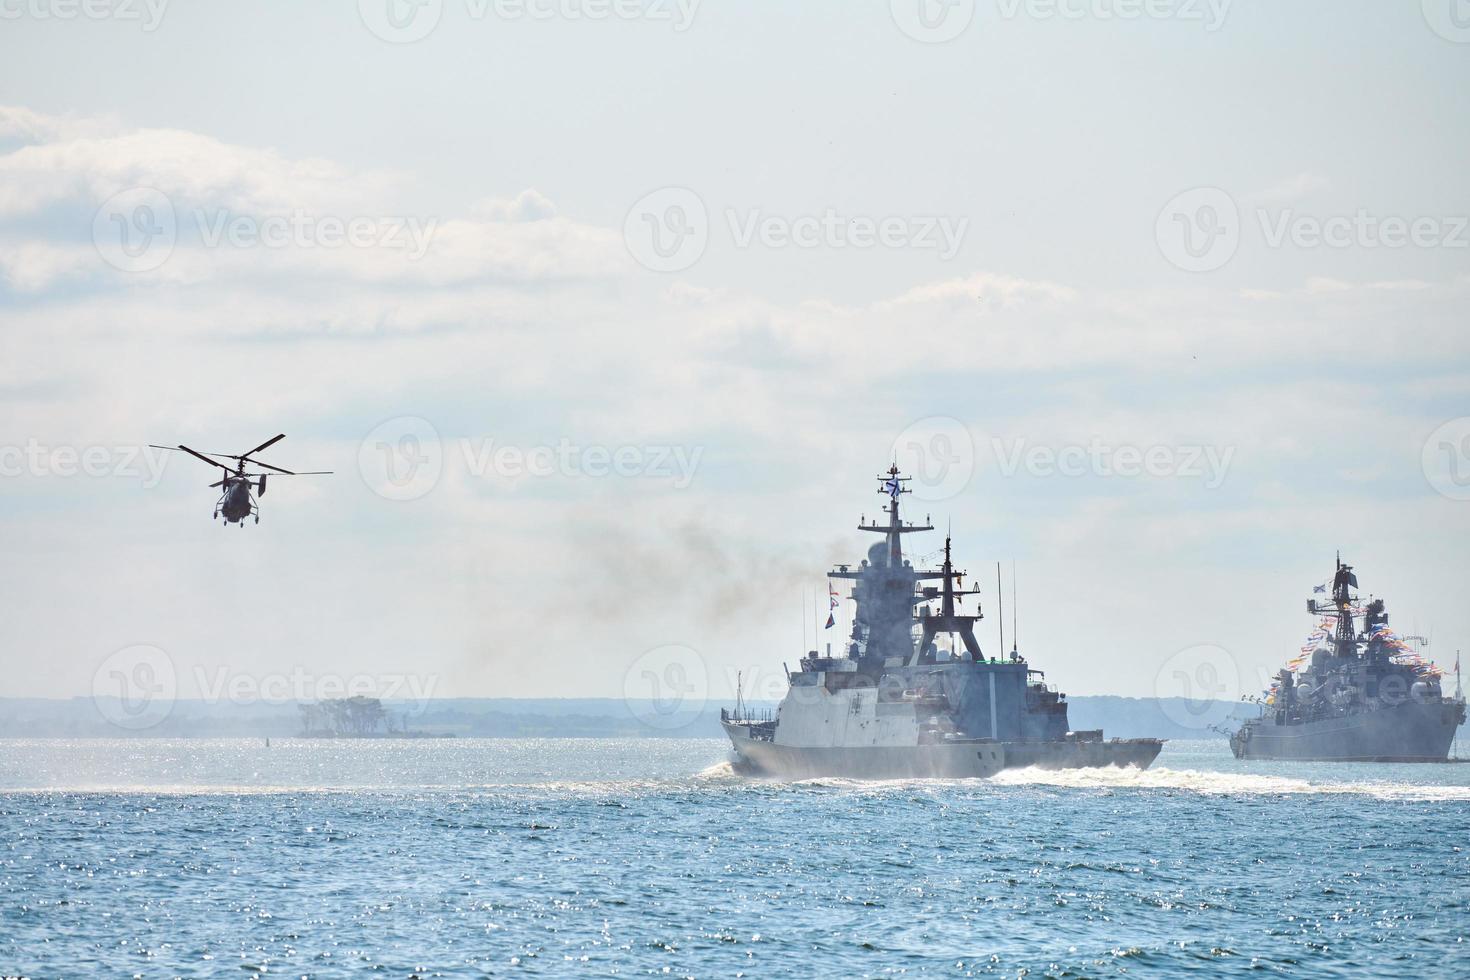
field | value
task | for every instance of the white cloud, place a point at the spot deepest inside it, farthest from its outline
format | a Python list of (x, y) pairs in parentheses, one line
[(249, 214), (528, 205), (21, 125), (527, 326)]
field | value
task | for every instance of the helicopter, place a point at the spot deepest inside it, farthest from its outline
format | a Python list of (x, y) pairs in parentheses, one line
[(237, 501)]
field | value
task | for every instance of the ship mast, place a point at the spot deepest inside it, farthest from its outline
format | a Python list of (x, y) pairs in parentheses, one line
[(949, 620), (1345, 640), (895, 529)]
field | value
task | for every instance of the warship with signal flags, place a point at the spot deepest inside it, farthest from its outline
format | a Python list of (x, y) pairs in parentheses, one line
[(895, 706), (1355, 693)]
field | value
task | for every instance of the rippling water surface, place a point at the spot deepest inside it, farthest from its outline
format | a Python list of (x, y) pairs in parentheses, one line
[(478, 857)]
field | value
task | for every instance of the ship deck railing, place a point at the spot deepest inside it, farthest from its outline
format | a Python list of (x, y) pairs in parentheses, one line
[(761, 716)]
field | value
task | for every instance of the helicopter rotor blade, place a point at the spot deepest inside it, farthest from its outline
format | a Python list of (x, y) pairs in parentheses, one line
[(290, 473), (211, 462), (269, 442), (256, 462), (174, 449)]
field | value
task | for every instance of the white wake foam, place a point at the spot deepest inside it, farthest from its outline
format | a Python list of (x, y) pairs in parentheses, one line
[(1222, 783)]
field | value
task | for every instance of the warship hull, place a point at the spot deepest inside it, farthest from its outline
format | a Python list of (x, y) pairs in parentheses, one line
[(1415, 731), (958, 759)]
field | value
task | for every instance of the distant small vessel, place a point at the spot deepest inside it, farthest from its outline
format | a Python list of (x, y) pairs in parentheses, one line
[(355, 717), (892, 708), (1354, 695)]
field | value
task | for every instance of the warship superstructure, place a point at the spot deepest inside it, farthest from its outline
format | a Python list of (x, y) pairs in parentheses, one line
[(894, 705), (1356, 693)]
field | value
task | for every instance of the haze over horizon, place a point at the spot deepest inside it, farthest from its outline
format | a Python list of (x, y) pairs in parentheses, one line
[(617, 378)]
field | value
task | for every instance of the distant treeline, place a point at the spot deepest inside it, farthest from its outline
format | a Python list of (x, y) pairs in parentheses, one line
[(545, 718)]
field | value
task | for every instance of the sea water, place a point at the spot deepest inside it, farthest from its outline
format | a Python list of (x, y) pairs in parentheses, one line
[(469, 857)]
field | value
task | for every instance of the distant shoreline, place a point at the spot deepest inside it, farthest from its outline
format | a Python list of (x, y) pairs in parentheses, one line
[(536, 717)]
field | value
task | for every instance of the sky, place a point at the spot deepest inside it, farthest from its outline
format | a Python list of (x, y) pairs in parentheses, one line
[(606, 315)]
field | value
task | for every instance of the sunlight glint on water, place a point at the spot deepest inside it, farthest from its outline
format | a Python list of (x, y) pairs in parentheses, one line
[(465, 857)]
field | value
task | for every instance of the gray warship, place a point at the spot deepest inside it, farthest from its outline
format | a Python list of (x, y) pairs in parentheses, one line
[(893, 706), (1354, 694)]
